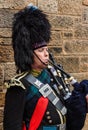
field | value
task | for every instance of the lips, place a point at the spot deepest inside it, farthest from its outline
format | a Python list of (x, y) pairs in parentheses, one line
[(46, 62)]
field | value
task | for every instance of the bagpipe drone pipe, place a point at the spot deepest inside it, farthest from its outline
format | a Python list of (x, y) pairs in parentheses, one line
[(73, 98)]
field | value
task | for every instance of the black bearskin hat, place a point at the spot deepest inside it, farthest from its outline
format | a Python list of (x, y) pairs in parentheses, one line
[(31, 29)]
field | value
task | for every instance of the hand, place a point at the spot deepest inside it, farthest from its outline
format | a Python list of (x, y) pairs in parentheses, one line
[(84, 87), (87, 98), (87, 102)]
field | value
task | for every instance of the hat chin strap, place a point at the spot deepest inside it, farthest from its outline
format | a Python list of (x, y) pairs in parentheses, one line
[(39, 59)]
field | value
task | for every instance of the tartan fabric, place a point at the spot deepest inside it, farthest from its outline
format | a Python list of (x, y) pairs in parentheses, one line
[(44, 78)]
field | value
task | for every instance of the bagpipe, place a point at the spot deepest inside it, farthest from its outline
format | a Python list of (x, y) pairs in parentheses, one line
[(65, 82)]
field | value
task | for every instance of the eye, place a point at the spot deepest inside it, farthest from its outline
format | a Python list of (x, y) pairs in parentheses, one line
[(40, 49), (43, 49)]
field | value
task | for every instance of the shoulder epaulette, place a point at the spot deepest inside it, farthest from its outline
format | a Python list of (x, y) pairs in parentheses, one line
[(16, 81)]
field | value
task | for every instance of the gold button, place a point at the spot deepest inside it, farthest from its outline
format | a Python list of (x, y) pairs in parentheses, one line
[(50, 121), (47, 113), (51, 79), (48, 117)]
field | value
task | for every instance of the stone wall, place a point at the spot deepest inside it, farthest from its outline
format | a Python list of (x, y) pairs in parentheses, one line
[(69, 43)]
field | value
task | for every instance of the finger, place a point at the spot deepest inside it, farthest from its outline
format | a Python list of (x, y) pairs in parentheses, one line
[(87, 98)]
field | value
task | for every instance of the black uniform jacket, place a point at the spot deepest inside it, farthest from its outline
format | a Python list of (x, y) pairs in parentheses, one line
[(19, 106)]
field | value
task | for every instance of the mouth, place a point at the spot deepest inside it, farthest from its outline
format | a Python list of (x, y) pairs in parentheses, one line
[(46, 62)]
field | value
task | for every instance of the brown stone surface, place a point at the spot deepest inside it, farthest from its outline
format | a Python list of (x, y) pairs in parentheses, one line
[(1, 115), (6, 16), (56, 38), (72, 7), (76, 46), (15, 4), (85, 15), (61, 22), (55, 50), (5, 32), (84, 64), (81, 31), (1, 75), (70, 64), (9, 70), (50, 6), (80, 76), (86, 124), (5, 41), (6, 53), (68, 34), (2, 99)]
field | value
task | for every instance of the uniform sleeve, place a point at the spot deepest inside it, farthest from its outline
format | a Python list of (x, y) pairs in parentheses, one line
[(76, 111), (14, 108)]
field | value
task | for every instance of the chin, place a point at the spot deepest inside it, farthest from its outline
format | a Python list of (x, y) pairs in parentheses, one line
[(46, 65)]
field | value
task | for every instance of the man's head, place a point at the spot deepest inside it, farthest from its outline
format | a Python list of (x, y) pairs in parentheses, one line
[(31, 30)]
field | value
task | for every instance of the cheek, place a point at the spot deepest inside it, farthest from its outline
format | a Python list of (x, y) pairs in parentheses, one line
[(40, 56), (36, 60)]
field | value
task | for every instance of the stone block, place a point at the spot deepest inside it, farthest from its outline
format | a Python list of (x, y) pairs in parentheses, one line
[(1, 115), (5, 41), (15, 4), (6, 53), (2, 99), (55, 50), (85, 15), (71, 7), (70, 64), (84, 64), (81, 31), (9, 71), (79, 76), (77, 20), (86, 124), (76, 47), (56, 35), (50, 6), (61, 22), (5, 32), (1, 74), (54, 43), (6, 16), (56, 38), (67, 34)]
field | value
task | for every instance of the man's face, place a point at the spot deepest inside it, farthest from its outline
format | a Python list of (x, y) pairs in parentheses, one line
[(42, 58)]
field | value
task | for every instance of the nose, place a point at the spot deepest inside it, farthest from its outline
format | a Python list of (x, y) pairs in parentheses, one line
[(46, 52)]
